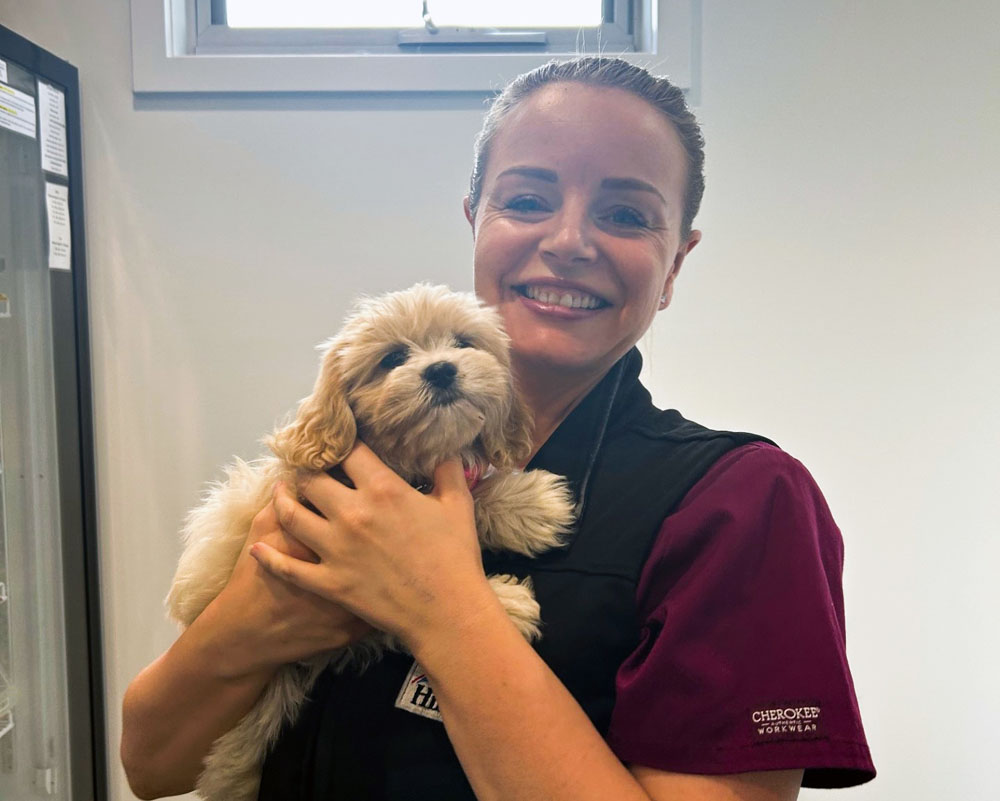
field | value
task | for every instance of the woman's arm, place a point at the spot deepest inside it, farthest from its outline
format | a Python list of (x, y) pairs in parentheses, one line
[(769, 785), (412, 567), (520, 734), (211, 676), (179, 705)]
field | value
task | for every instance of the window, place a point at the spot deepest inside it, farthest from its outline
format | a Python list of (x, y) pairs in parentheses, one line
[(416, 26), (392, 45), (410, 13)]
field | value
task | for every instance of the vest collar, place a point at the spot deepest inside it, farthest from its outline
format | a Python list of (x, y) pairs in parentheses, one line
[(572, 449)]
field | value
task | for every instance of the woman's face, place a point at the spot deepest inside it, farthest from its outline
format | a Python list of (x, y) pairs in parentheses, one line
[(578, 232)]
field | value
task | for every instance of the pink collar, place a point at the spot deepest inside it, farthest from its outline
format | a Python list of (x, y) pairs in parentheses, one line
[(476, 472)]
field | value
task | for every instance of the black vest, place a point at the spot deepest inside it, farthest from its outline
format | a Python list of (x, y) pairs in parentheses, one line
[(630, 464)]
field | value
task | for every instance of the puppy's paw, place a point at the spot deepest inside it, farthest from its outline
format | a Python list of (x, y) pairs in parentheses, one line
[(523, 512), (519, 601)]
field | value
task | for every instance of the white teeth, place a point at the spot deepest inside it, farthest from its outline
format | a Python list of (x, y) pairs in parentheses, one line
[(566, 299)]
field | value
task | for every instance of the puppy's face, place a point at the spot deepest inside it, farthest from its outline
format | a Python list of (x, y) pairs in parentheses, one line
[(425, 372)]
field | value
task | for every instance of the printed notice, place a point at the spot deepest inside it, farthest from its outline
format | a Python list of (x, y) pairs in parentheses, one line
[(52, 128), (3, 70), (17, 111), (57, 206)]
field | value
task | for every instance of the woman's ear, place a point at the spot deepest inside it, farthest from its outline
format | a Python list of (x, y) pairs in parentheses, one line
[(469, 215), (668, 286), (324, 430)]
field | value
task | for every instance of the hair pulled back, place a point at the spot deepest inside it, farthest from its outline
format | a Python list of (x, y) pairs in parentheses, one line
[(606, 72)]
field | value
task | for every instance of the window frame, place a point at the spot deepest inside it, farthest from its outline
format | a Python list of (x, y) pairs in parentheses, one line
[(175, 48)]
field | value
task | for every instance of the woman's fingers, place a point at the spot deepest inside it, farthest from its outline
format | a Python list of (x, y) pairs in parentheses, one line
[(266, 527), (380, 545), (301, 523), (362, 466), (287, 568), (449, 477), (364, 469), (328, 494)]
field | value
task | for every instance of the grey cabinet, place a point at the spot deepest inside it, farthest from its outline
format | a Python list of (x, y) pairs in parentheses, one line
[(51, 697)]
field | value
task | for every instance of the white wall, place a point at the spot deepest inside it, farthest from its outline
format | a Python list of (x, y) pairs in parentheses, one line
[(847, 287)]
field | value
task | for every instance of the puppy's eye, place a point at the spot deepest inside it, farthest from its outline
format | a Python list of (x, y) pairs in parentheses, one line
[(395, 358), (462, 342)]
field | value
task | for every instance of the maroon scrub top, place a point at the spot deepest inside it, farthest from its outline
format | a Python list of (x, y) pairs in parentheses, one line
[(742, 664)]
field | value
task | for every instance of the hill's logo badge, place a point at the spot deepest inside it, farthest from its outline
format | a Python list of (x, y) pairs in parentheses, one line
[(416, 695)]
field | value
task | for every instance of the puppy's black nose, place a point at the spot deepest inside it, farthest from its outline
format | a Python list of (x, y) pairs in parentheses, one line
[(440, 374)]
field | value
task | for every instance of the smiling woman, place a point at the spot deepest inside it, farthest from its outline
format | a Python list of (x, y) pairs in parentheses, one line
[(698, 592), (578, 234), (587, 179)]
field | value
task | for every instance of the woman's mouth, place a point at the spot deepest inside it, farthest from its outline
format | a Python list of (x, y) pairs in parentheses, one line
[(566, 298)]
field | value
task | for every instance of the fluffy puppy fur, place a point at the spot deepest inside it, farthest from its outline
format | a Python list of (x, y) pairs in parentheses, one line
[(418, 375)]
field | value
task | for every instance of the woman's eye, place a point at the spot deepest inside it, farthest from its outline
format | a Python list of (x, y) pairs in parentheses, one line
[(526, 203), (395, 358), (462, 342), (626, 217)]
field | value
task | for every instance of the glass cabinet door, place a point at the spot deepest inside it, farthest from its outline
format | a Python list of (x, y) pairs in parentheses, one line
[(53, 741), (34, 717)]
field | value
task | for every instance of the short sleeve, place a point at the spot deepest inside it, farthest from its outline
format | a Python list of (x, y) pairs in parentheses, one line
[(742, 663)]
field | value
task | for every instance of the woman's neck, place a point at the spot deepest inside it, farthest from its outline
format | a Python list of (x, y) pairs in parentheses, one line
[(551, 396)]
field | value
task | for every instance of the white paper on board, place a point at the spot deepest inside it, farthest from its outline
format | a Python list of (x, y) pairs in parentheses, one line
[(17, 110), (3, 70), (52, 128), (57, 206)]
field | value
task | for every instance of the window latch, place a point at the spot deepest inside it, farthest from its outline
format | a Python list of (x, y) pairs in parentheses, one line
[(470, 36), (432, 34)]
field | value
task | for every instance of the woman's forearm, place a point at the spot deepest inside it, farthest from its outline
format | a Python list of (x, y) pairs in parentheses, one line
[(217, 669), (518, 732), (179, 705)]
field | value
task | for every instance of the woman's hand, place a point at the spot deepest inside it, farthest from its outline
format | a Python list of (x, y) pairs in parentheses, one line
[(404, 561), (211, 676), (270, 622)]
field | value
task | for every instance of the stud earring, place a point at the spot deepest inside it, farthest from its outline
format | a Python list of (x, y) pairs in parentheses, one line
[(663, 299)]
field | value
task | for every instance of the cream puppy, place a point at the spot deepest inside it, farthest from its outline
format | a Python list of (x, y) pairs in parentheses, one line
[(418, 376)]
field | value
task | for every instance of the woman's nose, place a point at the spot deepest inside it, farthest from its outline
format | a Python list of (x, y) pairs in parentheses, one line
[(569, 237)]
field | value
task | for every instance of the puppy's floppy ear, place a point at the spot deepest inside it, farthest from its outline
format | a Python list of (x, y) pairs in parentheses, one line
[(507, 439), (324, 430)]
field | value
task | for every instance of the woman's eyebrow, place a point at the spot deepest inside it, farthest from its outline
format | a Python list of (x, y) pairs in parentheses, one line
[(532, 172), (632, 183), (550, 176)]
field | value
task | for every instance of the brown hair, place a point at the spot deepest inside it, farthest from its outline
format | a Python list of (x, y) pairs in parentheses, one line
[(613, 73)]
